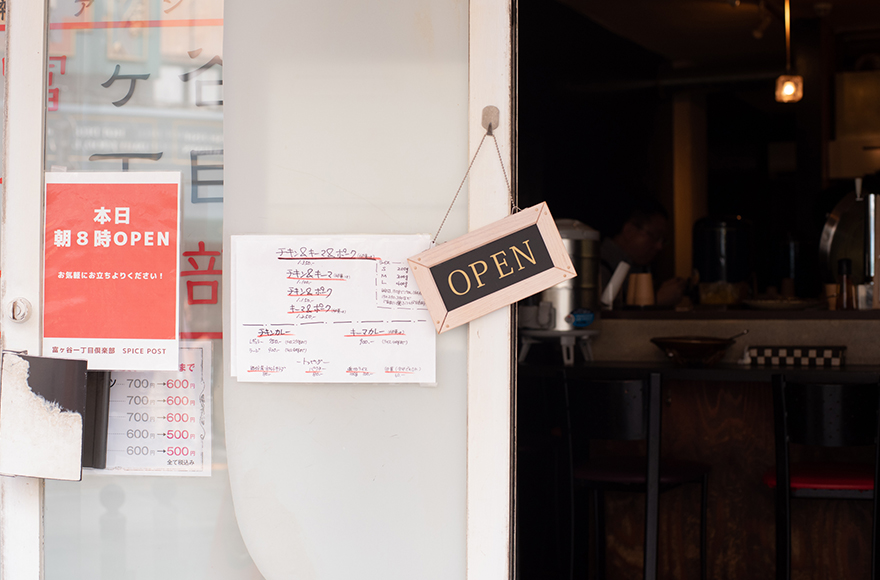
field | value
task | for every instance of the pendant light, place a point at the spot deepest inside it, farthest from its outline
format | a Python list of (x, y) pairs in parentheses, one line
[(789, 87)]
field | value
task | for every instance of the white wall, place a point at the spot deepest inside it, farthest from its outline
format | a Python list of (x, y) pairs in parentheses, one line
[(348, 117)]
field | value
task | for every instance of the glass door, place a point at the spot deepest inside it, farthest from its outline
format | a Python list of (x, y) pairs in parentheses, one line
[(137, 86), (362, 121)]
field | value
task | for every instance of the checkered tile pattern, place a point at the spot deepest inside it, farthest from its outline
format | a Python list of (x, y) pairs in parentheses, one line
[(797, 356)]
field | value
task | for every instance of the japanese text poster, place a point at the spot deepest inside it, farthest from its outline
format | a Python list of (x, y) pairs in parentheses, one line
[(329, 309), (110, 269)]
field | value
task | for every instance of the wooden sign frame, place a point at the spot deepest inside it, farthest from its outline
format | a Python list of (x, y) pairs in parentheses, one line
[(445, 319)]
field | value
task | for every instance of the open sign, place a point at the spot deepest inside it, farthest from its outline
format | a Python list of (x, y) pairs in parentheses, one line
[(491, 267)]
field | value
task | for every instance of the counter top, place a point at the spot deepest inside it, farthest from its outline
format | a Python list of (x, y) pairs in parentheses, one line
[(739, 314), (610, 370), (630, 339)]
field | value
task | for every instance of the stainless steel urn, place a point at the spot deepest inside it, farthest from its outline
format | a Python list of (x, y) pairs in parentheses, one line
[(576, 301)]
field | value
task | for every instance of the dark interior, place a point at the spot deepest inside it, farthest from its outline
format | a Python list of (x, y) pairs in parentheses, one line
[(597, 87)]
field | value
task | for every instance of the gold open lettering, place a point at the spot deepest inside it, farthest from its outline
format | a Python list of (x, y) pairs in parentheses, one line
[(517, 253), (478, 274), (466, 279), (503, 262)]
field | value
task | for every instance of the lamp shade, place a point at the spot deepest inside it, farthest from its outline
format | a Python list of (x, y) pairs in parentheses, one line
[(789, 88)]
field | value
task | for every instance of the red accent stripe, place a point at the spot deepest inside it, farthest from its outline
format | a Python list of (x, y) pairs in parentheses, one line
[(195, 335), (136, 24), (850, 476), (132, 24)]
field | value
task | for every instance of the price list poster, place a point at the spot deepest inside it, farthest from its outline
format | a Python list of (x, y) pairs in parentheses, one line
[(329, 309), (160, 422)]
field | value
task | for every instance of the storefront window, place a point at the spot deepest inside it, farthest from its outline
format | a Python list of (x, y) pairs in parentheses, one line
[(137, 86)]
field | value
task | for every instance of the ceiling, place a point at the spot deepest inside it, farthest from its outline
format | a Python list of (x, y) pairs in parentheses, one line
[(710, 32)]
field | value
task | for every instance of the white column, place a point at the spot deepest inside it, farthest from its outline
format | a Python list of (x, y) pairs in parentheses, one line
[(489, 456), (21, 498)]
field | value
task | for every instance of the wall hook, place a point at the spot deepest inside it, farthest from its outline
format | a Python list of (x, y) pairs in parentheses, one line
[(491, 118)]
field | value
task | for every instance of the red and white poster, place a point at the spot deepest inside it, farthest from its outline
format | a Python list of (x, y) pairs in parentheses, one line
[(111, 268)]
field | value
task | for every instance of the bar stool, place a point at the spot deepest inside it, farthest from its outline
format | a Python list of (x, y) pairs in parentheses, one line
[(822, 415), (627, 411)]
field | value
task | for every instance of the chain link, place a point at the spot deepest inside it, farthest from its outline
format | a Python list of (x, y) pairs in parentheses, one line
[(489, 133)]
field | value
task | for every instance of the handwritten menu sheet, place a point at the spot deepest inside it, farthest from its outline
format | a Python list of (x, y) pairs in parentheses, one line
[(329, 309)]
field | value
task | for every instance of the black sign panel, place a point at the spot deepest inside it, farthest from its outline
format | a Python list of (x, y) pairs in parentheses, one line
[(492, 267)]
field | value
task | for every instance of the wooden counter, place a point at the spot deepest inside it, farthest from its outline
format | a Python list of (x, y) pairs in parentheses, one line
[(740, 314), (628, 339)]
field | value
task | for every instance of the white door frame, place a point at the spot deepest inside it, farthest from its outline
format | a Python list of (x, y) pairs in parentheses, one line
[(21, 498), (489, 454), (490, 376)]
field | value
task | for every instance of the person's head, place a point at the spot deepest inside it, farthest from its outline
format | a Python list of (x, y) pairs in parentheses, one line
[(643, 233)]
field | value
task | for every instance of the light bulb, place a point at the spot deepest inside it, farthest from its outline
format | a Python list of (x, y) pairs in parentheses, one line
[(789, 88)]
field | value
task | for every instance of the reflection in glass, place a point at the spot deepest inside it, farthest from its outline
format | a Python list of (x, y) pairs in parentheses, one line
[(137, 85)]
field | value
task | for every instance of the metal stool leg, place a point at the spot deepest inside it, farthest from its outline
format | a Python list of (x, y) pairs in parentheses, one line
[(704, 543), (599, 531)]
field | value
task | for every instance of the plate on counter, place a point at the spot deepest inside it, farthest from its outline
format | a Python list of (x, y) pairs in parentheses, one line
[(782, 303)]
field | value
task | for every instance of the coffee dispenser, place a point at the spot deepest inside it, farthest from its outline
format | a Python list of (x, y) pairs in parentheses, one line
[(722, 257)]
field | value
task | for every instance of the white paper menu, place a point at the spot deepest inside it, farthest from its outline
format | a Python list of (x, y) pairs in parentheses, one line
[(329, 309)]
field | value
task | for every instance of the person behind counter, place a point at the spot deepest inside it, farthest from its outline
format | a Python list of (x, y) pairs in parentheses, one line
[(638, 242)]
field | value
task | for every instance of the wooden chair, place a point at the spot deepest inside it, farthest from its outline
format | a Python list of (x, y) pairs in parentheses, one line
[(822, 415), (630, 410)]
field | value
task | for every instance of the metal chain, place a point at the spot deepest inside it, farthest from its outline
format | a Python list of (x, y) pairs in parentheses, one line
[(513, 206), (488, 133), (434, 241)]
